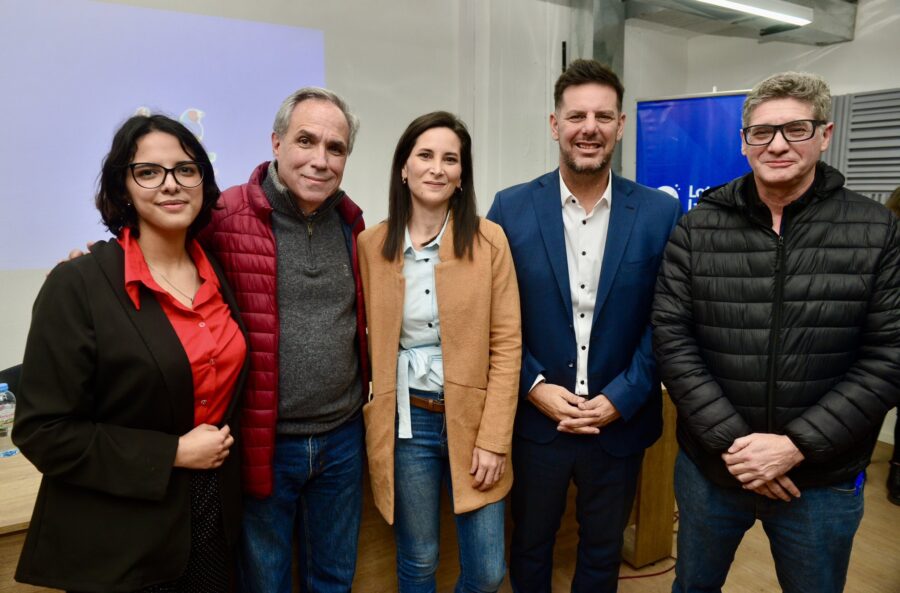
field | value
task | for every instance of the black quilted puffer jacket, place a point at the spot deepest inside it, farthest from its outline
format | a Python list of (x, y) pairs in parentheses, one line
[(797, 334)]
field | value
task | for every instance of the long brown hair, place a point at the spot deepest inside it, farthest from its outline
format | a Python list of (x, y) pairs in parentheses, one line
[(462, 205)]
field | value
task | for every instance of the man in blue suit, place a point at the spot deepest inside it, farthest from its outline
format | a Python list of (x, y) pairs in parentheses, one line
[(587, 245)]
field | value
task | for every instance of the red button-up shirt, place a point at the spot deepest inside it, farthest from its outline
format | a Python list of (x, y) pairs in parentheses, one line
[(210, 337)]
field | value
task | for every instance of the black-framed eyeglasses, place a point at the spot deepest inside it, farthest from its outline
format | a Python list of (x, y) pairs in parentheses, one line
[(792, 131), (187, 174)]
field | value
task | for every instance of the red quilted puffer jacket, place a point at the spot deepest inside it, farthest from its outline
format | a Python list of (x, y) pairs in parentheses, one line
[(240, 236)]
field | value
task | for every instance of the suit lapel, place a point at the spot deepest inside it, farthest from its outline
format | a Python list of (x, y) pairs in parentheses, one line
[(446, 276), (388, 292), (394, 298), (157, 333), (621, 221), (449, 275), (445, 250), (548, 211)]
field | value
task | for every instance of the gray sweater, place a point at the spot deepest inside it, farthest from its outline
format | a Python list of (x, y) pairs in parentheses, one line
[(318, 361)]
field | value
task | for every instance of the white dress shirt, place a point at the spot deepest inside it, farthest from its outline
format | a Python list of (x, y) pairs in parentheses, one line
[(420, 361), (585, 234)]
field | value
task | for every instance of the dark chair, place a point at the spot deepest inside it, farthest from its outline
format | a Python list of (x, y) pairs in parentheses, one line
[(11, 376)]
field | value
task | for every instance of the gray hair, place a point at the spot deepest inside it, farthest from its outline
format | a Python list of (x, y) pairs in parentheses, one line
[(802, 86), (314, 93)]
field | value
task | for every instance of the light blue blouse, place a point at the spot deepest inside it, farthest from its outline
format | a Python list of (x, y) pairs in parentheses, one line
[(420, 363)]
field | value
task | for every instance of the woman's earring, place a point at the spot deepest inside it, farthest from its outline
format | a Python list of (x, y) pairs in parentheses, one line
[(403, 179)]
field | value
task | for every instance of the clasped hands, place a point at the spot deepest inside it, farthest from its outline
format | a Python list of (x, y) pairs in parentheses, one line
[(204, 447), (760, 461), (573, 413)]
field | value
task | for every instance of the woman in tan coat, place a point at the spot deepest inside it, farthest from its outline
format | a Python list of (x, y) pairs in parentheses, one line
[(444, 330)]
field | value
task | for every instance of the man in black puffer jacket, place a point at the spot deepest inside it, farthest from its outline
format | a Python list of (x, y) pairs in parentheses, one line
[(777, 333)]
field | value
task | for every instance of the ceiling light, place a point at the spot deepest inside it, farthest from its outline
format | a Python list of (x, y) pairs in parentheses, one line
[(779, 10)]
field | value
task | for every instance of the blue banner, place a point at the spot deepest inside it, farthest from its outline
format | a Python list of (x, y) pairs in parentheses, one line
[(685, 146)]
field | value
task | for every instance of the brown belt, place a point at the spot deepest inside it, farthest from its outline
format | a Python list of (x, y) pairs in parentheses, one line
[(432, 405)]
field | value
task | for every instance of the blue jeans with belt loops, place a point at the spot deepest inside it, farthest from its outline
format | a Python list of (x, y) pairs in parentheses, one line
[(317, 491), (810, 536), (421, 468)]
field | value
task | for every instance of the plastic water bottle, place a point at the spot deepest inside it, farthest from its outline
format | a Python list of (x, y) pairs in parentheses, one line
[(7, 414)]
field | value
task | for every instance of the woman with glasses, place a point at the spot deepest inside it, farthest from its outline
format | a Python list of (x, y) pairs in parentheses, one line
[(129, 385), (442, 306)]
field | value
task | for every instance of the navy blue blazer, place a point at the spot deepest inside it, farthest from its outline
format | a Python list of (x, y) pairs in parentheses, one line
[(620, 363)]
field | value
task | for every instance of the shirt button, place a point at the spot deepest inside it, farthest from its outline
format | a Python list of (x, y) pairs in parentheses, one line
[(202, 402), (571, 364), (427, 291), (427, 258), (212, 362), (573, 201), (582, 286), (430, 324), (582, 381), (584, 253), (581, 315), (583, 222), (202, 324), (584, 347)]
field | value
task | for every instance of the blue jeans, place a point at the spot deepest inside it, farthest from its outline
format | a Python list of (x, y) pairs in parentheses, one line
[(317, 490), (810, 536), (421, 466)]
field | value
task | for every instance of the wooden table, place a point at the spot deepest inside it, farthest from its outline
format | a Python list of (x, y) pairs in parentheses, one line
[(20, 485), (20, 482)]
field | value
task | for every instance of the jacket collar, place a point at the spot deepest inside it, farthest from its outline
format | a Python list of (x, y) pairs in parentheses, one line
[(734, 193), (350, 213), (152, 325), (159, 336)]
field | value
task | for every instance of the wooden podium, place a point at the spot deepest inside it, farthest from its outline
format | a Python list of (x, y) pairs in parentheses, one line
[(648, 537)]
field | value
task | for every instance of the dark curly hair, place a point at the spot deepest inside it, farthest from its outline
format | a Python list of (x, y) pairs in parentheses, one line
[(112, 198)]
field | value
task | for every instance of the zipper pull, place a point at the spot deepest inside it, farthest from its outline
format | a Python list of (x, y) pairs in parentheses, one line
[(309, 230)]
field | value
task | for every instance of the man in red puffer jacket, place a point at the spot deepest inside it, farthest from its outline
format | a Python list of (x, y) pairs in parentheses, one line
[(287, 242)]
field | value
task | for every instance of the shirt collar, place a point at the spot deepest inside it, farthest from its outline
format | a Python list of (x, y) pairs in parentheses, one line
[(432, 245), (137, 272), (565, 194)]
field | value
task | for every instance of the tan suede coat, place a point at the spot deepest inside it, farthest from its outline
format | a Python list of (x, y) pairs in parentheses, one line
[(478, 305)]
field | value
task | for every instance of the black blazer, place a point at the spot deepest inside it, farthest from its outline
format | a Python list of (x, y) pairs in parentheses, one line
[(106, 391)]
